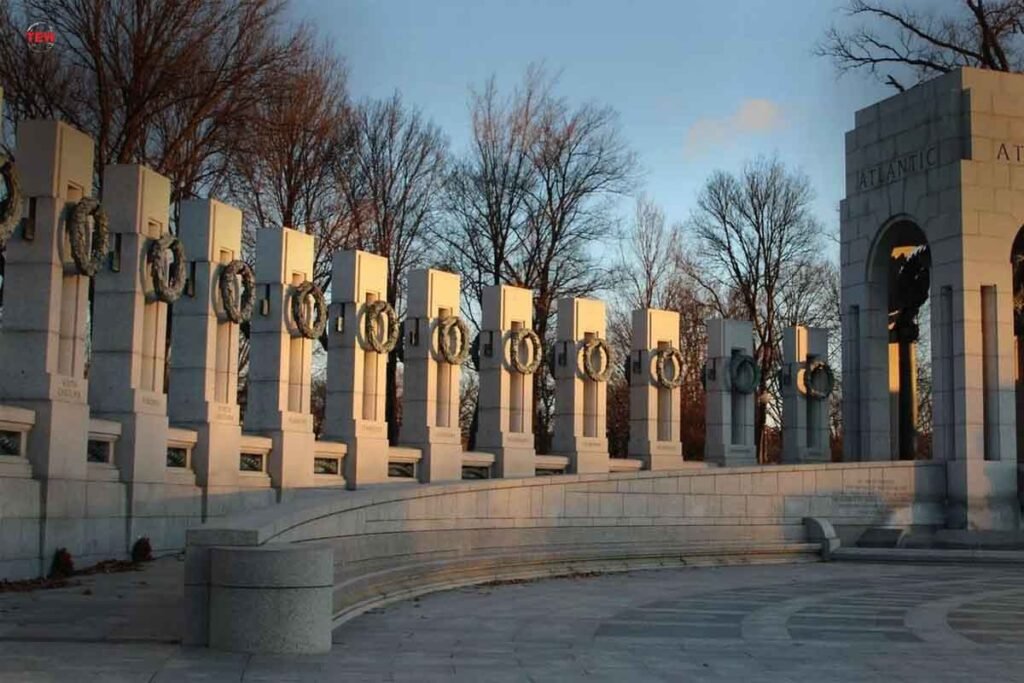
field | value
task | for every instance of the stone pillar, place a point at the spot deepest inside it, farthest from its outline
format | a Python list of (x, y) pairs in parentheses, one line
[(356, 373), (505, 425), (580, 399), (42, 338), (653, 407), (731, 391), (280, 358), (430, 406), (806, 385), (129, 326), (203, 387)]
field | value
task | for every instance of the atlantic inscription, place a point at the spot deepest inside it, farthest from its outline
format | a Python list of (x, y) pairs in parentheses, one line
[(898, 168), (1010, 152)]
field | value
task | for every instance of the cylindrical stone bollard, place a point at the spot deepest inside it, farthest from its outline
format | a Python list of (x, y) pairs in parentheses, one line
[(273, 599)]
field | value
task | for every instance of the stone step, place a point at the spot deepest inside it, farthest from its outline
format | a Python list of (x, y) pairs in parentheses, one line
[(355, 594), (929, 556)]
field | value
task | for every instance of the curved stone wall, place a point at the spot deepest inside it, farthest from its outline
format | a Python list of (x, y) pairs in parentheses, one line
[(390, 542)]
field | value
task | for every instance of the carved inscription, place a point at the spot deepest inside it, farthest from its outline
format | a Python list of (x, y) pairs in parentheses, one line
[(69, 389), (1011, 152), (897, 169)]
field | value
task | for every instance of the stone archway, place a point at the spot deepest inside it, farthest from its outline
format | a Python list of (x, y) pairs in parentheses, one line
[(1017, 266), (899, 279)]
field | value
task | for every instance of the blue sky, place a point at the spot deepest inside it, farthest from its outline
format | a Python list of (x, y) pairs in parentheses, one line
[(699, 86)]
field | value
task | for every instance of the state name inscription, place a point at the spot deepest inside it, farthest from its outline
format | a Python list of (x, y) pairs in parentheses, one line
[(898, 168), (1010, 151)]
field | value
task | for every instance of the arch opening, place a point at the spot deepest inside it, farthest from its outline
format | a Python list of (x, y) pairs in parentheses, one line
[(1017, 266), (901, 279)]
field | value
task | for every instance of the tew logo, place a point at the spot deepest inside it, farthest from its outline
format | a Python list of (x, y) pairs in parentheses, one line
[(41, 36)]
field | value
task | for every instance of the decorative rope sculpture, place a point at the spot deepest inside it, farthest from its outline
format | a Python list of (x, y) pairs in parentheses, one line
[(88, 261), (168, 279), (744, 374), (310, 329), (536, 351), (819, 380), (10, 209), (374, 312), (238, 304), (663, 357), (605, 371), (454, 348)]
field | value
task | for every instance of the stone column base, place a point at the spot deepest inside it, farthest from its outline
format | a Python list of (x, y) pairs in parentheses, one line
[(660, 455), (589, 461), (982, 495), (731, 456), (510, 462), (366, 461), (440, 462)]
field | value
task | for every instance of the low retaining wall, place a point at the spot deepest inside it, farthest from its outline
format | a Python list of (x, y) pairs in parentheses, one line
[(391, 542), (99, 519)]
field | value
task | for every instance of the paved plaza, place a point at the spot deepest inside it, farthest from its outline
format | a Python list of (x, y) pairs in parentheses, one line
[(803, 622)]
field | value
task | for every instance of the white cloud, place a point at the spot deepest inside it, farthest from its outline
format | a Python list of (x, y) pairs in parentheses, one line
[(753, 116)]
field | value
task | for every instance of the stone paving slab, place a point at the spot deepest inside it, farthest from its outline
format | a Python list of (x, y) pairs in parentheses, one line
[(796, 623)]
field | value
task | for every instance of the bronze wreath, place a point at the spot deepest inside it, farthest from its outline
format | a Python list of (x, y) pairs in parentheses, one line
[(88, 261), (310, 329), (813, 369), (371, 324), (456, 355), (661, 357), (737, 364), (10, 209), (517, 338), (237, 303), (588, 360), (168, 281)]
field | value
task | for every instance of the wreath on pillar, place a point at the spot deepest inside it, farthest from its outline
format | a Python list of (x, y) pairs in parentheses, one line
[(453, 350), (168, 278), (238, 303), (744, 374), (374, 312), (819, 379), (310, 329), (88, 258), (517, 338), (10, 209), (662, 357), (605, 351)]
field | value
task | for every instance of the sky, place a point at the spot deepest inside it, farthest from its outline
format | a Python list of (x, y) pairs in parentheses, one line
[(699, 86)]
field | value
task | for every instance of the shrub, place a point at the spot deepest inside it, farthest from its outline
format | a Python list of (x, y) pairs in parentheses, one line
[(142, 550), (63, 566)]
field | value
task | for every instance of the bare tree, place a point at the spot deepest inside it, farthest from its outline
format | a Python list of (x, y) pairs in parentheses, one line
[(582, 163), (648, 257), (531, 200), (490, 188), (900, 45), (285, 175), (167, 84), (391, 182), (754, 236)]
